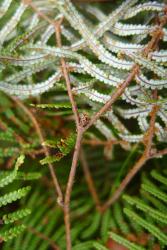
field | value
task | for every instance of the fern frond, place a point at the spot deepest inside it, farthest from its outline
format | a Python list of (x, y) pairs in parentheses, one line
[(94, 226), (131, 29), (153, 84), (13, 196), (117, 46), (12, 217), (12, 232), (28, 90), (157, 176), (28, 176), (53, 105), (9, 27), (51, 159), (104, 130), (149, 6), (83, 246), (148, 226), (106, 218), (64, 146), (148, 64), (4, 7), (107, 22), (118, 215), (86, 64), (134, 112), (155, 191), (10, 177), (159, 56), (69, 10), (99, 246), (131, 138), (124, 242), (157, 215)]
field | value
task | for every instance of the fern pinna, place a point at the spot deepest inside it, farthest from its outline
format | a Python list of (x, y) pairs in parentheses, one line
[(9, 232), (77, 76)]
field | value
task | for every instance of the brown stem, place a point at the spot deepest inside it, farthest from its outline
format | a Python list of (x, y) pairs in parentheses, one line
[(89, 180), (139, 164), (69, 187), (159, 153), (41, 137), (97, 142), (114, 97), (66, 75), (77, 145), (39, 13), (43, 237)]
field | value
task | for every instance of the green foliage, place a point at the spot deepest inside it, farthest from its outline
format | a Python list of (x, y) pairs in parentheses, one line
[(53, 105), (64, 146), (125, 242), (13, 196), (10, 177), (148, 226), (83, 246), (98, 246), (152, 219), (12, 232), (159, 177), (7, 135), (12, 217), (93, 227)]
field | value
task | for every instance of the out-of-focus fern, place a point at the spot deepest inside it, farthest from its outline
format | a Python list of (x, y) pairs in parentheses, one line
[(146, 212), (48, 220), (9, 232)]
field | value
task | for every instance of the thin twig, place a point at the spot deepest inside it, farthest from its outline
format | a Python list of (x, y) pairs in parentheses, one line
[(69, 188), (66, 75), (139, 164), (159, 153), (43, 237), (89, 180), (77, 145), (41, 138), (114, 97), (97, 142), (39, 13)]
